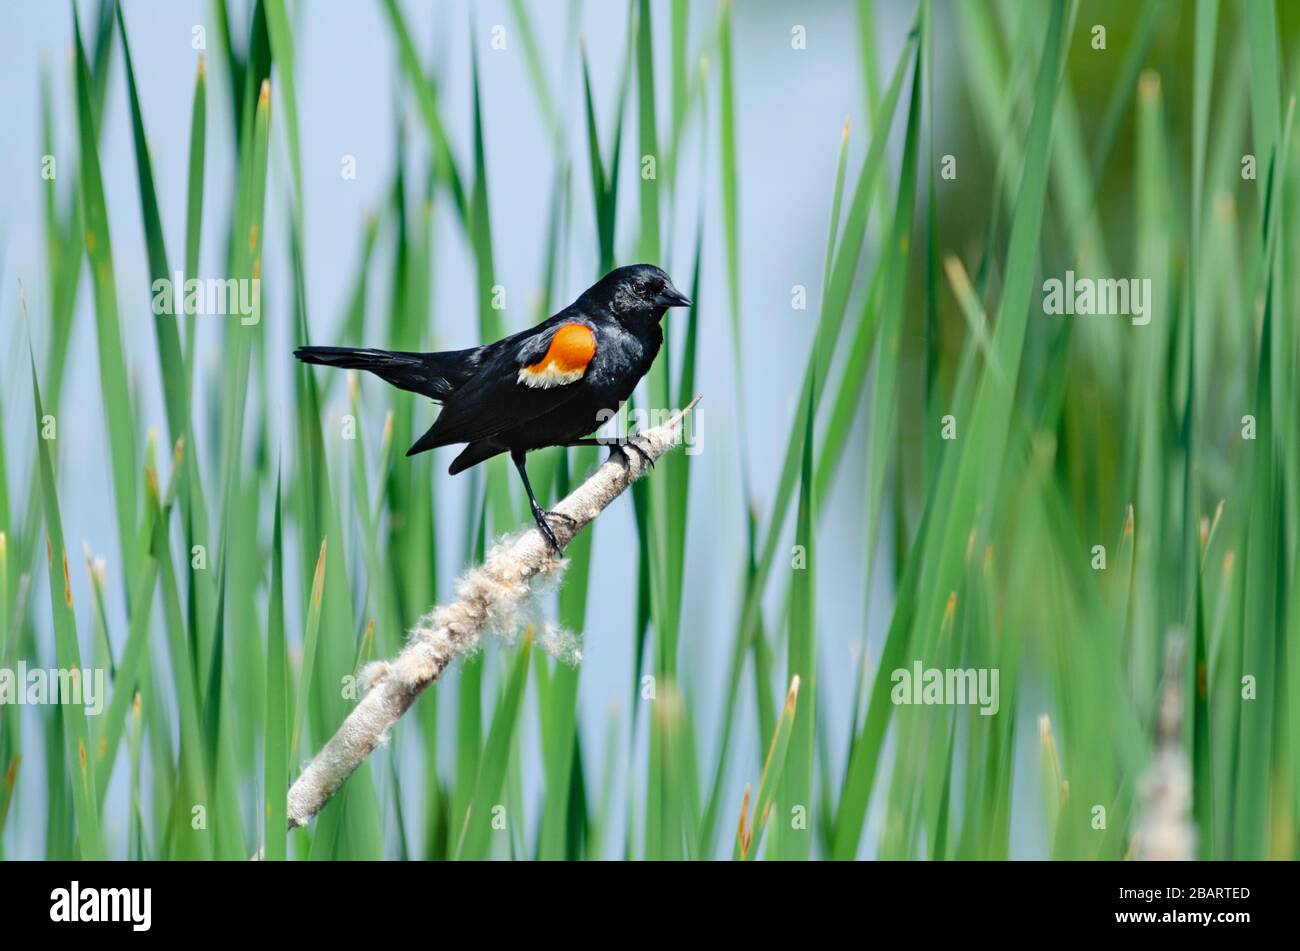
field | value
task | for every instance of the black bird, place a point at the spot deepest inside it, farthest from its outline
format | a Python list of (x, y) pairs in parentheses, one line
[(545, 386)]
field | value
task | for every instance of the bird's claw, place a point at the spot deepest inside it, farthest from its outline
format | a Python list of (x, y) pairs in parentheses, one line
[(647, 460), (540, 515)]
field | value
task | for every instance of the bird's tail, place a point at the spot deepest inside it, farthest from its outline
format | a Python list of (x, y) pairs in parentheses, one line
[(416, 372)]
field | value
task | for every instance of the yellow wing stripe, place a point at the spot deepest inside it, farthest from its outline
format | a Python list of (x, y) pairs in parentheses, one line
[(565, 360)]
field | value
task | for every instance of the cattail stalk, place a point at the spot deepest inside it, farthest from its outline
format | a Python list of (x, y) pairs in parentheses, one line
[(489, 596)]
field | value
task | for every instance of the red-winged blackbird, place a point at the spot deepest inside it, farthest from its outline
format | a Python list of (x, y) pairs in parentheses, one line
[(545, 386)]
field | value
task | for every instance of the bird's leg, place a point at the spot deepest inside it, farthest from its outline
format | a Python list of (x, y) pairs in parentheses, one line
[(539, 514), (612, 444), (616, 447)]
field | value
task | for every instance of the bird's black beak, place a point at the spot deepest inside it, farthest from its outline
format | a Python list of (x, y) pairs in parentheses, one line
[(671, 297)]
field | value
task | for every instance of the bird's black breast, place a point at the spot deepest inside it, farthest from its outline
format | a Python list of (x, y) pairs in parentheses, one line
[(623, 357)]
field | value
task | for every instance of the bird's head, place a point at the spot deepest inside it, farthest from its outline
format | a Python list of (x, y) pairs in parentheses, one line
[(640, 290)]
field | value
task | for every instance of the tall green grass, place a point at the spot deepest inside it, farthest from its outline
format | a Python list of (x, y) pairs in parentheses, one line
[(258, 579)]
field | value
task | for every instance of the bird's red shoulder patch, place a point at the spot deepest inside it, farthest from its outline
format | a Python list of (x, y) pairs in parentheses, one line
[(565, 360)]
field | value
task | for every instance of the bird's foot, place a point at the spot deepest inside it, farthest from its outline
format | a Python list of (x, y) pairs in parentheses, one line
[(647, 460), (540, 516)]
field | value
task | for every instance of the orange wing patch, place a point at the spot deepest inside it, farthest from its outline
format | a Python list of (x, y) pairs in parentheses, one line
[(565, 360)]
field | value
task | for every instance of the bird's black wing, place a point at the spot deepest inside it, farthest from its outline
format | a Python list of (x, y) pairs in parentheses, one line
[(494, 400)]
